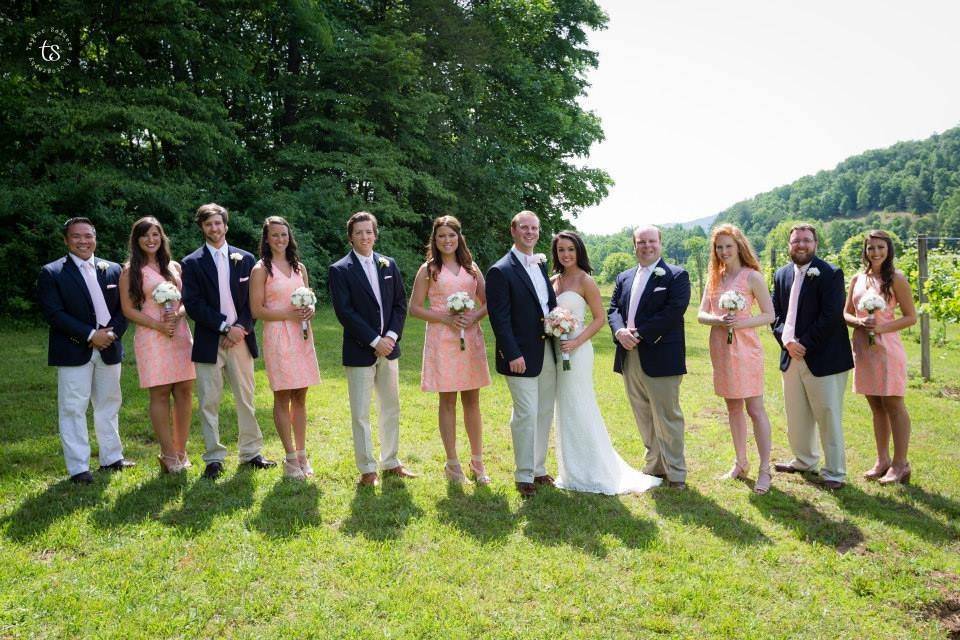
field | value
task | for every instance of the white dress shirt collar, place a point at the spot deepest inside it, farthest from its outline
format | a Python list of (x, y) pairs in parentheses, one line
[(92, 261)]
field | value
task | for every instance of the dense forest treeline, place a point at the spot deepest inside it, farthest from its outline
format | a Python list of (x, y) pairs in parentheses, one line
[(310, 110)]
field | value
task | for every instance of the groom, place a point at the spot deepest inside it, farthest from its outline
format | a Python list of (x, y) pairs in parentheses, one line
[(519, 296), (646, 317)]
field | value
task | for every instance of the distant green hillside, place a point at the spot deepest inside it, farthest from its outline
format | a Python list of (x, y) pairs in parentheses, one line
[(920, 178)]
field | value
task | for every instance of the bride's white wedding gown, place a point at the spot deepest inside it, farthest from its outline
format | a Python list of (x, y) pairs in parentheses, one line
[(585, 456)]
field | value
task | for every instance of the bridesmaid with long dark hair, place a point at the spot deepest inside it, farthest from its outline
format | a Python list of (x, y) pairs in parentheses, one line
[(163, 341), (880, 361)]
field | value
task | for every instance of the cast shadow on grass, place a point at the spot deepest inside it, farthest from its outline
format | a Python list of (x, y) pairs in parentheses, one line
[(806, 521), (381, 513), (206, 500), (289, 507), (895, 513), (144, 502), (58, 501), (691, 507), (581, 520), (483, 514), (935, 501)]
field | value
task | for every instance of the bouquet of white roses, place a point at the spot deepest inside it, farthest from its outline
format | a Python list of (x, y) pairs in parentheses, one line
[(304, 298), (732, 301), (459, 303), (560, 323), (870, 302)]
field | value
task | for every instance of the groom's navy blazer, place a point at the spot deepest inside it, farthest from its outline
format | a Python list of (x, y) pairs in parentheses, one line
[(820, 327), (201, 297), (357, 310), (68, 307), (659, 321), (516, 315)]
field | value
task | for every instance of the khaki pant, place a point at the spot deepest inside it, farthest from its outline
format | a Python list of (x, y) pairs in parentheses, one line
[(656, 408), (383, 379), (815, 405), (533, 403), (237, 364)]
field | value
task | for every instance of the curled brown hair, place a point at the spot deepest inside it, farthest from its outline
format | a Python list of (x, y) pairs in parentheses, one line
[(137, 259), (748, 258), (291, 252), (886, 267), (462, 254)]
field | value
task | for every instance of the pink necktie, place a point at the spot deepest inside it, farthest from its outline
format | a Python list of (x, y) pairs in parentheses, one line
[(790, 323), (96, 295), (636, 292), (227, 307)]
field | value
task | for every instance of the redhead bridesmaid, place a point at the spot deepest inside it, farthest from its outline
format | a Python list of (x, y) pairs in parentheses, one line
[(880, 365), (290, 360), (448, 369), (162, 343), (738, 364)]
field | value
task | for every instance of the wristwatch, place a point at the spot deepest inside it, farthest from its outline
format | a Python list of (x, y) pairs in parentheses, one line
[(225, 330)]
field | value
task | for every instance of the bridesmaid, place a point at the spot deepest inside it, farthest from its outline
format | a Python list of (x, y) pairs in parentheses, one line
[(738, 367), (446, 369), (290, 361), (162, 343), (880, 369)]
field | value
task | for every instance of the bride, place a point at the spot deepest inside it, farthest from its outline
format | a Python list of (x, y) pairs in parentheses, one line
[(585, 456)]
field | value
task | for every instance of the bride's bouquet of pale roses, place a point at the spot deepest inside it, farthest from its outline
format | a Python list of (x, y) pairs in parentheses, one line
[(165, 294), (304, 298), (732, 301), (871, 302), (560, 323), (459, 303)]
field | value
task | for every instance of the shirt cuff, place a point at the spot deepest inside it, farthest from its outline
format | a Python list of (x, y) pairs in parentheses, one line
[(373, 345), (392, 335), (223, 326), (90, 337)]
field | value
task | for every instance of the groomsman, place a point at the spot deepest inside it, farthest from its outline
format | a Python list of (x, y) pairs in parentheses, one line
[(79, 297), (646, 317), (216, 293), (808, 301), (519, 297), (369, 299)]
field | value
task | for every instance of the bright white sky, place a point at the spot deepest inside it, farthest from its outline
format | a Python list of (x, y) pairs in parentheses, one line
[(708, 102)]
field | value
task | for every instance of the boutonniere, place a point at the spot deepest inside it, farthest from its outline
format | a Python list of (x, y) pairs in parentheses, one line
[(813, 272), (236, 256), (383, 262), (103, 266), (540, 258), (659, 271)]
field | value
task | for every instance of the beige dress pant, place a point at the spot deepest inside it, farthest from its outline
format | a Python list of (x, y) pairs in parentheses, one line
[(77, 387), (656, 408), (815, 404), (382, 379), (237, 364), (533, 404)]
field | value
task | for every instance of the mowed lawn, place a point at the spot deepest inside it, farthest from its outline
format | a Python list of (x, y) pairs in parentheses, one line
[(142, 555)]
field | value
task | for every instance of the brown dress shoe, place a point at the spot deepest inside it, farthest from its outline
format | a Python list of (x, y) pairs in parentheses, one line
[(401, 472), (369, 479), (786, 467), (831, 485), (547, 480), (526, 489), (680, 485)]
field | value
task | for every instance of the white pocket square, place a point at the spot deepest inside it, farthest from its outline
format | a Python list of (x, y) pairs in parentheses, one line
[(659, 289), (244, 279), (111, 286), (387, 277)]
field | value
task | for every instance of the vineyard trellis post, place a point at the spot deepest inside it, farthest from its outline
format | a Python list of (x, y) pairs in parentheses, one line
[(922, 297)]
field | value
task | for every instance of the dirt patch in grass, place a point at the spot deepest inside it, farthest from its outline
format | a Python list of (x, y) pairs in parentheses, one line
[(946, 610), (951, 392)]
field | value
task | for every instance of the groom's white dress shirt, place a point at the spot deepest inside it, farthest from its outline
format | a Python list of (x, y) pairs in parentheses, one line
[(790, 322), (532, 267), (88, 270), (370, 270)]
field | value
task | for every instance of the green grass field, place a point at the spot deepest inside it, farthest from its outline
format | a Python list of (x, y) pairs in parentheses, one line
[(143, 555)]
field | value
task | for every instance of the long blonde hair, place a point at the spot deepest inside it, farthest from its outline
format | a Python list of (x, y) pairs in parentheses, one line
[(717, 269)]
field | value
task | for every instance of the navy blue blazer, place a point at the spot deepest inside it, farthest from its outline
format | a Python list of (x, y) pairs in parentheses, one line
[(201, 297), (659, 321), (357, 310), (516, 315), (68, 308), (820, 327)]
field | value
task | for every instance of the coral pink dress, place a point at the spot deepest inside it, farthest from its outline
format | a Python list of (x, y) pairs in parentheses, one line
[(879, 369), (737, 367), (290, 361), (445, 366), (161, 359)]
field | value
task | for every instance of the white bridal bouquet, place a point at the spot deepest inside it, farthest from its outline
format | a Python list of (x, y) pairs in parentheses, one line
[(560, 323), (870, 302), (302, 298), (459, 303), (732, 301), (165, 294)]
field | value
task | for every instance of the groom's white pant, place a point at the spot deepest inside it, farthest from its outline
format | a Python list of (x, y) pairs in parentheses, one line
[(533, 402)]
